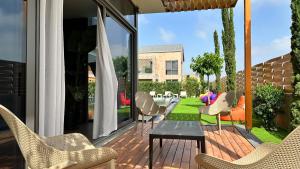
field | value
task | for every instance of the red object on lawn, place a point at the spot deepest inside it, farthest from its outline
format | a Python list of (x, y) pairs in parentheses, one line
[(238, 112), (124, 101)]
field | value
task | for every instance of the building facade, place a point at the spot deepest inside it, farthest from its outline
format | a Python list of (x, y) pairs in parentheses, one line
[(161, 63)]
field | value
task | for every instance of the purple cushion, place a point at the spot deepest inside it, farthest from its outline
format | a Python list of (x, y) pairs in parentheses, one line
[(204, 99), (213, 97)]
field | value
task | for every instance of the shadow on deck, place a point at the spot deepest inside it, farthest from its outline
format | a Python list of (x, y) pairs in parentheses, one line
[(132, 148)]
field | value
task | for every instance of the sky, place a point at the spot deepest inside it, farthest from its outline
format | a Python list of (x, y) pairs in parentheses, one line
[(271, 20)]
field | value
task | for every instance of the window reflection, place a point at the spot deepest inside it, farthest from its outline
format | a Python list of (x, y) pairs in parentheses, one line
[(126, 8), (12, 75), (120, 41)]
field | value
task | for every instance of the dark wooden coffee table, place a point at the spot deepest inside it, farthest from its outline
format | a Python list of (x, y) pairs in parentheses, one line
[(185, 130)]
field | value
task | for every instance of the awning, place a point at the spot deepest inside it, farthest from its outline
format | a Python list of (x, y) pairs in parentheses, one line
[(160, 6)]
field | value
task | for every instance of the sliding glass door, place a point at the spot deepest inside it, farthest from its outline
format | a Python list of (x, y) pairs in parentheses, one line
[(12, 75), (121, 45)]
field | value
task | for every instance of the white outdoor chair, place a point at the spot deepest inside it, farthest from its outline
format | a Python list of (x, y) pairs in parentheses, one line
[(152, 93), (168, 94), (175, 95), (183, 94)]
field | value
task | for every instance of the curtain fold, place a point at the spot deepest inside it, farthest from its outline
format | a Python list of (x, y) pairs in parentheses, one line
[(51, 69), (105, 114)]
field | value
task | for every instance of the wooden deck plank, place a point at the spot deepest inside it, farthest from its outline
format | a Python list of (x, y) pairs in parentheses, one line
[(163, 154), (133, 148), (186, 156), (213, 141), (194, 152), (220, 141), (178, 155)]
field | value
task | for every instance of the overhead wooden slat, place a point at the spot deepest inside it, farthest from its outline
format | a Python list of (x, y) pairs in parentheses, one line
[(188, 5)]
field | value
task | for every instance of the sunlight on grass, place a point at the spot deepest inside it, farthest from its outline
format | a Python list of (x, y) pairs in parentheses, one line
[(188, 110), (269, 136)]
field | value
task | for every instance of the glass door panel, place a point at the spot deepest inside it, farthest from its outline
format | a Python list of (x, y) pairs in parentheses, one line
[(12, 75), (120, 41)]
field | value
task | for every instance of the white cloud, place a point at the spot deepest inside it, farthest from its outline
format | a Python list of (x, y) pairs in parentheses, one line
[(166, 35), (276, 47), (201, 34), (143, 19), (207, 23)]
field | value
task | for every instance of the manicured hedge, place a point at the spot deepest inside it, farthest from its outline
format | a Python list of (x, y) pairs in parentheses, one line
[(190, 85)]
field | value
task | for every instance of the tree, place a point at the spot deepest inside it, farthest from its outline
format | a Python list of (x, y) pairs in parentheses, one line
[(295, 44), (228, 40), (207, 64), (217, 52)]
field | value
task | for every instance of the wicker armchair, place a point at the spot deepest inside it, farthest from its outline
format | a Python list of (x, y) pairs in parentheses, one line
[(222, 104), (66, 151), (266, 156)]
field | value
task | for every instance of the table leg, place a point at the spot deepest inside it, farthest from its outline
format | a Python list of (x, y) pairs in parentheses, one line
[(198, 144), (203, 148), (160, 142), (150, 151)]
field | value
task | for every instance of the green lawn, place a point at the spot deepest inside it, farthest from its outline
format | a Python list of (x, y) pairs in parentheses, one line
[(187, 110)]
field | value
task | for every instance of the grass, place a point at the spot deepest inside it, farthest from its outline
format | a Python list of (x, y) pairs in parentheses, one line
[(187, 110)]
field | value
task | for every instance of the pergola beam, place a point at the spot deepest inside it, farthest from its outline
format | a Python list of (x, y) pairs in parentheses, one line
[(188, 5), (248, 70)]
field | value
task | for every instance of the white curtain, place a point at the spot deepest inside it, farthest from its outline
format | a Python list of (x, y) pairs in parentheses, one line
[(51, 69), (105, 117)]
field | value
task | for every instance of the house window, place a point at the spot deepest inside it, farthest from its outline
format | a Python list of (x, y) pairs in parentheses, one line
[(172, 67), (145, 66)]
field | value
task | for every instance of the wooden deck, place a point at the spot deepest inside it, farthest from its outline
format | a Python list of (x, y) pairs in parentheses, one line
[(133, 148)]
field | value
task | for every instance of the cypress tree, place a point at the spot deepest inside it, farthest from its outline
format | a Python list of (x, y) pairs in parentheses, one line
[(217, 52), (295, 44), (228, 40)]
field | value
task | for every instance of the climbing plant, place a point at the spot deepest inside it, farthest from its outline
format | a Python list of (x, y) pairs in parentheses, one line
[(295, 44)]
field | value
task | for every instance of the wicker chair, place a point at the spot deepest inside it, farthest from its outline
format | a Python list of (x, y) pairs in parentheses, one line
[(266, 156), (66, 151), (222, 104), (147, 107)]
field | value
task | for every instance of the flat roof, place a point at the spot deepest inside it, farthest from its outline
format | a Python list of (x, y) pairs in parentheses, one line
[(161, 6), (161, 48)]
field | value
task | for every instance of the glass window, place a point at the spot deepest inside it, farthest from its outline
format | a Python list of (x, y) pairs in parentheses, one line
[(126, 8), (172, 67), (12, 75), (145, 66), (120, 41)]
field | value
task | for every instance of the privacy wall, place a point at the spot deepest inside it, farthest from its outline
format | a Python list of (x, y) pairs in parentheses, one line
[(277, 71)]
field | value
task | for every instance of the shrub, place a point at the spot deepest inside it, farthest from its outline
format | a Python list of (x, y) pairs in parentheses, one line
[(174, 87), (191, 86), (159, 87), (267, 104), (91, 89)]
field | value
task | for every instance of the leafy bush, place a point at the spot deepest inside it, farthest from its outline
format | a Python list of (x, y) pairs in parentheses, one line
[(295, 106), (159, 87), (174, 87), (191, 86), (267, 104), (91, 89)]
